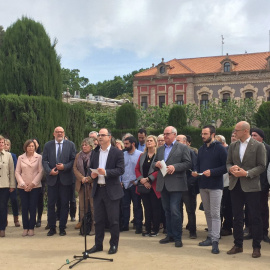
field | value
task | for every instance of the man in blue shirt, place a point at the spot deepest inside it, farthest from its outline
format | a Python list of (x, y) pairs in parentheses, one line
[(128, 179)]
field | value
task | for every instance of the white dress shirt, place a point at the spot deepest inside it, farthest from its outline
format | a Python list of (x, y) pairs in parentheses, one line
[(103, 155), (243, 147)]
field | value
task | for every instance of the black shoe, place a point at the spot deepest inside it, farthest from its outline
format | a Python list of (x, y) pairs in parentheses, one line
[(124, 229), (138, 231), (215, 249), (166, 240), (193, 235), (112, 250), (153, 234), (51, 232), (146, 234), (206, 243), (47, 227), (94, 249), (38, 224), (62, 232), (266, 239), (225, 232), (72, 219), (247, 237), (178, 243)]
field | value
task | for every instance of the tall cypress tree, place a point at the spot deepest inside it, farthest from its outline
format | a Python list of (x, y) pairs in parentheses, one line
[(29, 64)]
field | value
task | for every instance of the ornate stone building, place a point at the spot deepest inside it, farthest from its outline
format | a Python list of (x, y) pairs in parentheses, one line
[(198, 80)]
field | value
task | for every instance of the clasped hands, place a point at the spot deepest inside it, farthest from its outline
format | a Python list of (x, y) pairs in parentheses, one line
[(170, 168), (237, 171), (206, 173), (145, 182)]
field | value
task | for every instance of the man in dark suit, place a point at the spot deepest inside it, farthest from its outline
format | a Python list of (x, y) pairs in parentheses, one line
[(107, 190), (57, 160), (177, 160), (246, 161)]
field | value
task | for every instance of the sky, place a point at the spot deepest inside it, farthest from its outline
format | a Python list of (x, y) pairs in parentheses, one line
[(108, 38)]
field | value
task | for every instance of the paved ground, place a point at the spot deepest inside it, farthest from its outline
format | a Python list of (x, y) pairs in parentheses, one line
[(135, 252)]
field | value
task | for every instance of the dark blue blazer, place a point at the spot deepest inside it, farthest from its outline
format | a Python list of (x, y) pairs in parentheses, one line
[(67, 158), (115, 167)]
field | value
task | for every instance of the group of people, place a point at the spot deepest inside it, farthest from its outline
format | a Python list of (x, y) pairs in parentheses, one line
[(157, 174)]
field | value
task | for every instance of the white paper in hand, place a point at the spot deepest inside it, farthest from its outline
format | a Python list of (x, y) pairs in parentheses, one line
[(163, 168), (94, 171)]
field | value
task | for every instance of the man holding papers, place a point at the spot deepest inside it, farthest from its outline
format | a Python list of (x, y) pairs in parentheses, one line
[(173, 159)]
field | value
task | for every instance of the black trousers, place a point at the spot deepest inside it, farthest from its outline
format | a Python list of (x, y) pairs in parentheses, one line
[(190, 201), (226, 210), (239, 198), (54, 192), (106, 208), (152, 211)]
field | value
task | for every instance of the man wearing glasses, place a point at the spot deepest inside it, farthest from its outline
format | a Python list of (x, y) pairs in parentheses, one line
[(177, 159), (57, 160), (246, 161), (107, 164)]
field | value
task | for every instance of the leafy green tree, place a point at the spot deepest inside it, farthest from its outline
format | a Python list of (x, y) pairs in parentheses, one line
[(28, 61), (262, 118), (177, 117), (126, 117), (73, 81)]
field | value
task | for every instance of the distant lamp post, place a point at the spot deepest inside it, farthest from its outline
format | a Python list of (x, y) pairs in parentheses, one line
[(213, 122), (94, 124)]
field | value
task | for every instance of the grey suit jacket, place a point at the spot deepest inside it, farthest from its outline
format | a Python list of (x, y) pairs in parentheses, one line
[(254, 161), (179, 157), (67, 158)]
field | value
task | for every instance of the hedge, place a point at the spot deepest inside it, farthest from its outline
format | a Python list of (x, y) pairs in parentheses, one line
[(24, 117)]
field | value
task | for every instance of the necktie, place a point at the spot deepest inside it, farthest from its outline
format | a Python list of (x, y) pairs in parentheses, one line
[(58, 153)]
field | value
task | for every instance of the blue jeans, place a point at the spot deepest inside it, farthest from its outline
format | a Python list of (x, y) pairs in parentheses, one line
[(171, 205), (29, 202), (14, 202), (4, 195), (130, 194)]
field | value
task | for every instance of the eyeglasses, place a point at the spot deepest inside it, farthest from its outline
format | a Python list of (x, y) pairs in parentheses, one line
[(59, 131), (103, 135), (150, 141)]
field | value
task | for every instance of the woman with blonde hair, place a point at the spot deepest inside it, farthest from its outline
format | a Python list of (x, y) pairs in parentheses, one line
[(147, 176), (84, 181)]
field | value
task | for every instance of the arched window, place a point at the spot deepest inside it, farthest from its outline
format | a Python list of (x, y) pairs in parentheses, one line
[(144, 103), (248, 95), (204, 100), (161, 101), (227, 67), (268, 96), (226, 97)]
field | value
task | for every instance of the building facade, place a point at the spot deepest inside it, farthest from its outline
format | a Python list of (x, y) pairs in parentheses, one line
[(198, 80)]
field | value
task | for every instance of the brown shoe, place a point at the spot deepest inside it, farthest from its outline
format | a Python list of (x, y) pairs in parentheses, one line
[(2, 233), (256, 253), (235, 250), (78, 225), (16, 221)]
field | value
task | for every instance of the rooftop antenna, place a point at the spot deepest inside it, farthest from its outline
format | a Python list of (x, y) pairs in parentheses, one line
[(222, 42)]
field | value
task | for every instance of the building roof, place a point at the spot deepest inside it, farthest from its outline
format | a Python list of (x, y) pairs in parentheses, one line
[(212, 64)]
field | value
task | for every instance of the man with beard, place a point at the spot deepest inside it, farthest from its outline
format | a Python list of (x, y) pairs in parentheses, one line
[(128, 180), (211, 165)]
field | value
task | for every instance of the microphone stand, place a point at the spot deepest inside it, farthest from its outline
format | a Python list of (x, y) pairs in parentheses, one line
[(85, 255)]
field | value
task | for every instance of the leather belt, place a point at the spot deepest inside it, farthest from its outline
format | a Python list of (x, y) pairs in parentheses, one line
[(101, 185)]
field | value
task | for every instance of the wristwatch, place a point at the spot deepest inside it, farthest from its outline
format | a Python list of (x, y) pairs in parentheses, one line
[(247, 174)]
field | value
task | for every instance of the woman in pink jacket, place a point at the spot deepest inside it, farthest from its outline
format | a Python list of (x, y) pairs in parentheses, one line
[(28, 174)]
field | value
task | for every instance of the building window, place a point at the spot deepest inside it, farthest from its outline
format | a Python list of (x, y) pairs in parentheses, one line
[(162, 69), (204, 100), (227, 67), (225, 97), (248, 95), (179, 100), (268, 98), (144, 103), (161, 101)]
